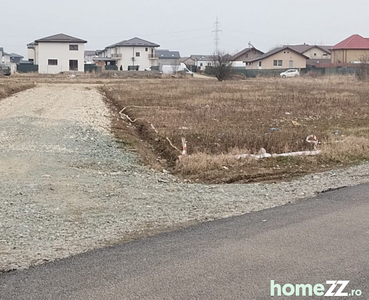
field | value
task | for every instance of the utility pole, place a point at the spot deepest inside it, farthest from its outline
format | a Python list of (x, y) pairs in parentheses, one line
[(217, 38)]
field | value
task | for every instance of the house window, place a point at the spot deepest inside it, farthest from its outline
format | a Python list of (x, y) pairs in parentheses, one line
[(52, 62), (73, 65), (201, 64), (138, 54), (277, 63), (209, 64), (314, 54), (73, 47), (146, 49), (259, 63)]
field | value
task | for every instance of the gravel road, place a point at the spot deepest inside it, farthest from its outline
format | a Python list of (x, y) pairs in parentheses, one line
[(66, 186)]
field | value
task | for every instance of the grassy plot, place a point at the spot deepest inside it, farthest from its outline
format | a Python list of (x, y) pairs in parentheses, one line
[(222, 119), (9, 86)]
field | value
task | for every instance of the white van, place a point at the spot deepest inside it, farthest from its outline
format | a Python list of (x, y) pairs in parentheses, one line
[(168, 69)]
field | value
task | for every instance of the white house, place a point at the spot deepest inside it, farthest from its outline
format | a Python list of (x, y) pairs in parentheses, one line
[(90, 55), (57, 53), (134, 54), (202, 61), (168, 57), (32, 49), (5, 58)]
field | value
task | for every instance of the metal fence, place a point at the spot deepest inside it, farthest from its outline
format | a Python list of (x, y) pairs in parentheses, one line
[(308, 70), (90, 68), (27, 68), (331, 70)]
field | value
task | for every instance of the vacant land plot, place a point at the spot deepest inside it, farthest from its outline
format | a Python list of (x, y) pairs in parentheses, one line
[(222, 119), (10, 86)]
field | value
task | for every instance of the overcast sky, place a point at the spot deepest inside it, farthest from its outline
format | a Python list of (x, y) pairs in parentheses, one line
[(184, 25)]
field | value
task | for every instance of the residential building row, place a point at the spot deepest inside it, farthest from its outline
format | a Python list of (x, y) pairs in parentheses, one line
[(64, 53), (352, 50)]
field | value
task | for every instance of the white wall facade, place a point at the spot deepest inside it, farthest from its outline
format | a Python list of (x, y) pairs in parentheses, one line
[(31, 54), (202, 64), (5, 59), (13, 67), (60, 52), (127, 56)]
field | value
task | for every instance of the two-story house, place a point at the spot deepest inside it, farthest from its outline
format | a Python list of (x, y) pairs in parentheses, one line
[(133, 54), (57, 53)]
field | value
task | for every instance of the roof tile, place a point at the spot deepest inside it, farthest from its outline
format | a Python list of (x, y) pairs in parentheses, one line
[(355, 41)]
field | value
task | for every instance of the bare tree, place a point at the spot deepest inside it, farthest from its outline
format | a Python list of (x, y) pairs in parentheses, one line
[(362, 73), (221, 66)]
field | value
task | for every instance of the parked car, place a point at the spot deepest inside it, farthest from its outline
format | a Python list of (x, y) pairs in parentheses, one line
[(290, 73), (5, 70)]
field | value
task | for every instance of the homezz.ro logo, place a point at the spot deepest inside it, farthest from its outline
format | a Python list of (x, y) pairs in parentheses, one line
[(335, 288)]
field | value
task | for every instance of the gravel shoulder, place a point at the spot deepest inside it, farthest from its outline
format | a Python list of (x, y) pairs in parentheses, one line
[(67, 187)]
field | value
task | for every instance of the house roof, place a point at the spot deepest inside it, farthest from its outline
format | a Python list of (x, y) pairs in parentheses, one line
[(15, 55), (353, 42), (275, 51), (244, 51), (60, 38), (90, 52), (167, 54), (201, 57), (134, 42), (325, 47), (187, 58), (305, 47)]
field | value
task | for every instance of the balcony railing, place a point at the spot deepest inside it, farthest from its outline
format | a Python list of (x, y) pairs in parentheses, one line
[(153, 56), (116, 55)]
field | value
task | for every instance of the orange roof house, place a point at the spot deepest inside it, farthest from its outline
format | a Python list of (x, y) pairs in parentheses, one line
[(353, 49)]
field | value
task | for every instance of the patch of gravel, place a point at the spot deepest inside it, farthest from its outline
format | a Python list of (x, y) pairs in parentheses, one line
[(67, 187)]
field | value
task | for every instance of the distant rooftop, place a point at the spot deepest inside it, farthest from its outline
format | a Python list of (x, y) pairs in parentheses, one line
[(274, 51), (90, 52), (305, 47), (244, 51), (60, 38), (167, 54), (134, 42), (15, 55), (355, 41), (31, 45), (201, 57)]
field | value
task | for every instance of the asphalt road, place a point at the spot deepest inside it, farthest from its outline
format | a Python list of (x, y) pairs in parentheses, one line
[(310, 242)]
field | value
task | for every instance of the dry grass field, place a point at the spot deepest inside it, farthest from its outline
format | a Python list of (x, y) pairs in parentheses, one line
[(9, 86), (222, 119)]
